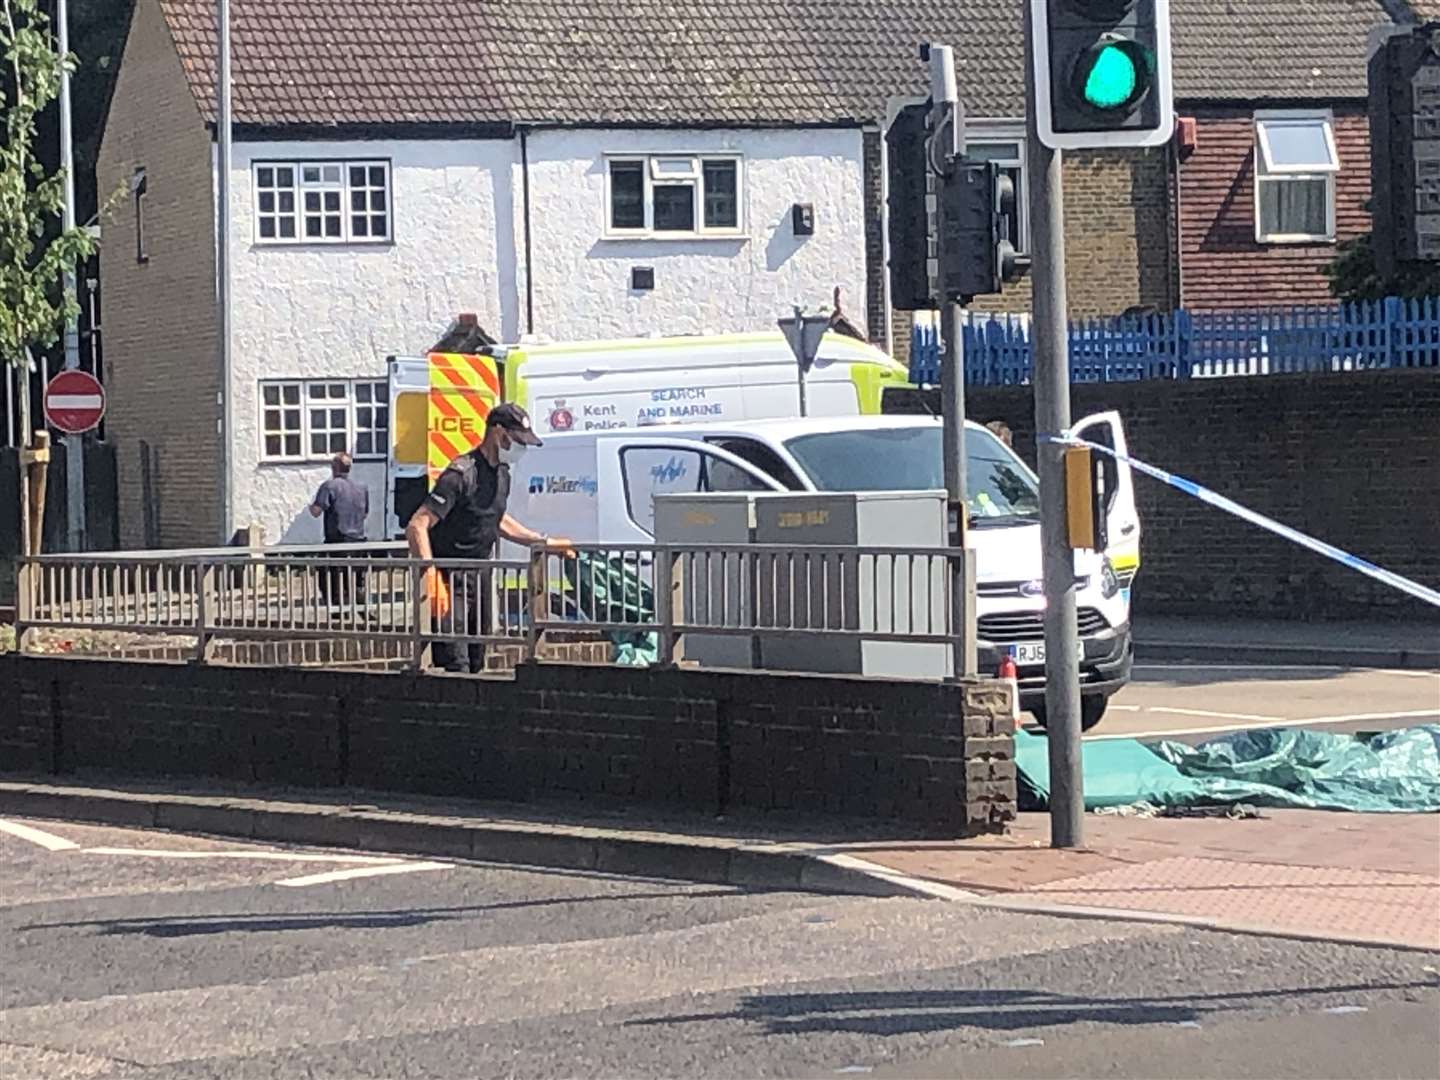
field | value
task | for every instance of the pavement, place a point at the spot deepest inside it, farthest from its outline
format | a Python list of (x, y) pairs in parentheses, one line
[(143, 955), (1406, 644)]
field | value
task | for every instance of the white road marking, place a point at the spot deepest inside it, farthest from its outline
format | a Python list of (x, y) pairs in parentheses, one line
[(273, 856), (48, 841), (923, 886), (1417, 714), (1218, 715), (1246, 667), (1166, 733), (1124, 708), (361, 872)]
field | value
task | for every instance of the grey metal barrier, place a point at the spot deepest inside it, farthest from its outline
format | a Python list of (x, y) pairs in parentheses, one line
[(382, 603), (774, 592), (200, 601)]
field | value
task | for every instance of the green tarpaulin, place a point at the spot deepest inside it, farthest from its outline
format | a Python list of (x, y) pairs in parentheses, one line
[(1295, 767), (612, 589)]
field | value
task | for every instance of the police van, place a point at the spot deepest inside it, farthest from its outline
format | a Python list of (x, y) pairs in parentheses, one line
[(600, 486), (598, 386)]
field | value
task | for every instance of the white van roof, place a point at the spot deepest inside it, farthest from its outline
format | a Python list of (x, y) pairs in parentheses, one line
[(776, 428), (718, 350)]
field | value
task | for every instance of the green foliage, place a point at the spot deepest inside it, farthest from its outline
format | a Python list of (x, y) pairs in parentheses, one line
[(1353, 275), (34, 252)]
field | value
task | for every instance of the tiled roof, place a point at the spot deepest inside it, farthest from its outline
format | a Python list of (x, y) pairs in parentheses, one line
[(1253, 50), (713, 62)]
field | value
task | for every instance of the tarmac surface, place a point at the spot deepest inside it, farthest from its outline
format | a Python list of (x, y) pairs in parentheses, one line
[(135, 954), (1193, 702)]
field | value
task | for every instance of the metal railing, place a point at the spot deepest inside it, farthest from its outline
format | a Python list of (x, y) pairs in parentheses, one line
[(381, 600)]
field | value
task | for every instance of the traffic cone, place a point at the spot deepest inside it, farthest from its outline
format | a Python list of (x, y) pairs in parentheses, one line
[(1008, 672)]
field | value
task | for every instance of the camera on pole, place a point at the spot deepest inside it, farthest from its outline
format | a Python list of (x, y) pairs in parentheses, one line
[(1102, 73)]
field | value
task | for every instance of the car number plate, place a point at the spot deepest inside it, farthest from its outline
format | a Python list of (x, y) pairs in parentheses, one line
[(1029, 653)]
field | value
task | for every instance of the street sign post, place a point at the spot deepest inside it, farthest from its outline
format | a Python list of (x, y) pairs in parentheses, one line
[(74, 402), (803, 333)]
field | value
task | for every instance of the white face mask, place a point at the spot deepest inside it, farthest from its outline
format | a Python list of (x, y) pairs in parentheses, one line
[(511, 455)]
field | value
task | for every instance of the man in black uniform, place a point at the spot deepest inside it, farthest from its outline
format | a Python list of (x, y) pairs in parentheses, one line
[(462, 518)]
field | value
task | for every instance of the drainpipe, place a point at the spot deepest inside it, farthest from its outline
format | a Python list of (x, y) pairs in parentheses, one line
[(1178, 277), (529, 268), (223, 146)]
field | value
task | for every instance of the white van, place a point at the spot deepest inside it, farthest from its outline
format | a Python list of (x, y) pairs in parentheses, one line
[(593, 386), (601, 488)]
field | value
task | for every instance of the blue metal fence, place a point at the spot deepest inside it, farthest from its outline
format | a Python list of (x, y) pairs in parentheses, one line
[(1390, 333)]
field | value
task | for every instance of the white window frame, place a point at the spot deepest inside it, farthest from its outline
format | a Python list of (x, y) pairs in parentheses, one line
[(380, 399), (327, 396), (1264, 174), (663, 168), (983, 134), (282, 431), (363, 419), (319, 188)]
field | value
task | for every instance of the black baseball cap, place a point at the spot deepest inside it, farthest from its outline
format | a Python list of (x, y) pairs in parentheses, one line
[(515, 421)]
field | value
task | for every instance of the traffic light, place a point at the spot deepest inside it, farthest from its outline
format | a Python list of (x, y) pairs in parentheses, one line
[(908, 172), (976, 256), (1102, 73), (1085, 516), (1405, 152)]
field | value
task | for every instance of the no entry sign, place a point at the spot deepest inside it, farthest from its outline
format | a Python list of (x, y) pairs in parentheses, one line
[(74, 402)]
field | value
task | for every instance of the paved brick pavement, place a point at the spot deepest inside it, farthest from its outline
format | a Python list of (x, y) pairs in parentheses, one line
[(1355, 877)]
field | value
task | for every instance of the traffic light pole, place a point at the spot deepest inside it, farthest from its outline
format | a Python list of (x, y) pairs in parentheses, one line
[(1049, 345), (948, 123)]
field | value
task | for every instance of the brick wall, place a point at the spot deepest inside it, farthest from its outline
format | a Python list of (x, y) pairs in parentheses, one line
[(161, 360), (1119, 241), (1222, 264), (935, 755), (1118, 248), (1351, 459)]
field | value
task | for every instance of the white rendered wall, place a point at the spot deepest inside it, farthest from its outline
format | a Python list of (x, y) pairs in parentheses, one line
[(318, 310), (582, 280), (325, 310)]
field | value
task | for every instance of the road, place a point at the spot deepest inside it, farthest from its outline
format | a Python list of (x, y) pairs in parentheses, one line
[(156, 956), (1193, 702)]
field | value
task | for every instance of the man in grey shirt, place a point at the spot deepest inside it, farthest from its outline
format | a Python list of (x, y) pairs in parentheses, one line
[(344, 505)]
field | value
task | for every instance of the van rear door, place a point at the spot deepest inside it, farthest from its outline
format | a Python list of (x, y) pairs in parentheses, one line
[(405, 486)]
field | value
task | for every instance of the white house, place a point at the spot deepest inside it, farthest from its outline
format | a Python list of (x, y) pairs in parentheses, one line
[(549, 182)]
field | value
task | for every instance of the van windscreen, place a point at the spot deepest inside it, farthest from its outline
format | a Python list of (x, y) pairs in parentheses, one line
[(909, 459)]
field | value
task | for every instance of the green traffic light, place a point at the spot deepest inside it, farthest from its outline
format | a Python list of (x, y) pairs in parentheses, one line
[(1112, 80), (1113, 75)]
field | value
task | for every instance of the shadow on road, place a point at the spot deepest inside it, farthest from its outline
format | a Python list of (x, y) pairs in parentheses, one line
[(914, 1012), (190, 926)]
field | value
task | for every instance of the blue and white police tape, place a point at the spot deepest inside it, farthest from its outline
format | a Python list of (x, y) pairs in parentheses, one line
[(1230, 506)]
